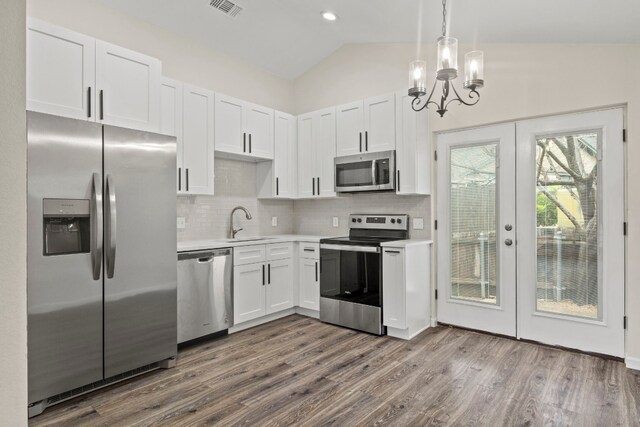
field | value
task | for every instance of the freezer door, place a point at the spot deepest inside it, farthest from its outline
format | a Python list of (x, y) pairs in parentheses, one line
[(64, 243), (140, 249)]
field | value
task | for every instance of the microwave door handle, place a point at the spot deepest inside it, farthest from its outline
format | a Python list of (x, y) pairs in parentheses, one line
[(96, 226), (374, 174), (111, 225)]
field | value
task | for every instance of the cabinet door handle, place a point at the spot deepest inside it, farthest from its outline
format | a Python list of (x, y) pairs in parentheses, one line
[(187, 175), (244, 142), (277, 187), (262, 274), (366, 140), (89, 102), (269, 274), (101, 104), (316, 271), (398, 183), (309, 250), (313, 186), (179, 179), (249, 143), (361, 142), (391, 252)]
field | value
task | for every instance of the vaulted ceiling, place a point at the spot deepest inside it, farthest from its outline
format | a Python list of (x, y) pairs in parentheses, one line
[(287, 37)]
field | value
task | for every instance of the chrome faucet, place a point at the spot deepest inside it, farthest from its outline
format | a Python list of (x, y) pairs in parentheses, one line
[(233, 231)]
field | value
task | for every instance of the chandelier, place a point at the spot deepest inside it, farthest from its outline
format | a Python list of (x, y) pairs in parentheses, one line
[(446, 71)]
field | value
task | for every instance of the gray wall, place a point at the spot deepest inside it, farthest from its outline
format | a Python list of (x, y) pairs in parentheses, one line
[(13, 216)]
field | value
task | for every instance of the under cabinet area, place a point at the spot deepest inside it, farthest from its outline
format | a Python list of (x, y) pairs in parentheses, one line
[(366, 126), (187, 114), (243, 130), (72, 75), (263, 280), (406, 288)]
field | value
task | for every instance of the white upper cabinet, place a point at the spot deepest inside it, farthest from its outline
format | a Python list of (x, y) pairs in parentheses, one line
[(243, 130), (413, 148), (171, 120), (366, 126), (128, 88), (278, 179), (350, 128), (198, 144), (316, 153), (60, 71), (186, 112), (72, 75)]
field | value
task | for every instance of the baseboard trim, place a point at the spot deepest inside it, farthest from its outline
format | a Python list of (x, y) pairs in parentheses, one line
[(632, 363), (309, 313), (261, 320)]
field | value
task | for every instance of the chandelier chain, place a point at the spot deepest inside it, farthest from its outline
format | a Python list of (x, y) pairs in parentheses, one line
[(444, 18)]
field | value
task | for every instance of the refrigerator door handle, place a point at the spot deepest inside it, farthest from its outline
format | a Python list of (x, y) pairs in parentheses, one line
[(96, 226), (111, 226)]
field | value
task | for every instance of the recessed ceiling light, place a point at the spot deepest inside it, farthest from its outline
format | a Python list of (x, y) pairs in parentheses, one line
[(329, 16)]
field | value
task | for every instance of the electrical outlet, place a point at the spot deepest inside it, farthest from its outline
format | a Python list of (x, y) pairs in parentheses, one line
[(274, 221), (418, 224), (182, 222), (336, 221)]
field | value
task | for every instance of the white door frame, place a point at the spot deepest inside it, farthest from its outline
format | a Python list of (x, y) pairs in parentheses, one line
[(499, 318), (604, 335)]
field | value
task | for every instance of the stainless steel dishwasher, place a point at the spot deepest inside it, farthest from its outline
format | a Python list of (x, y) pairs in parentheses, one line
[(205, 293)]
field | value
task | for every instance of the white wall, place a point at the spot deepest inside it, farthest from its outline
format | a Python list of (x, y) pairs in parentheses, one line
[(521, 81), (13, 216)]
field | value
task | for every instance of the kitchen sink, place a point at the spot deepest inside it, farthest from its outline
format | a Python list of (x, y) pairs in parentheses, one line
[(248, 239)]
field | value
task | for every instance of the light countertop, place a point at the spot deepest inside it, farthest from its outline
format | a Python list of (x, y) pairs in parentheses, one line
[(196, 245), (405, 243)]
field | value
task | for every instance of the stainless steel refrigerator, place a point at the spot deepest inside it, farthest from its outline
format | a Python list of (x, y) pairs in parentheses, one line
[(101, 255)]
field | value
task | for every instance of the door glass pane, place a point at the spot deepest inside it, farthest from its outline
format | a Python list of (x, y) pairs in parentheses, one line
[(567, 225), (473, 223)]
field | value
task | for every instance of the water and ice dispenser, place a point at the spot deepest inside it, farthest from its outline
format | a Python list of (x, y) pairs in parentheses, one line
[(67, 227)]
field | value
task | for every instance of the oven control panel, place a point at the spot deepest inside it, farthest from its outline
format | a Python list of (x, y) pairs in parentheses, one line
[(379, 222)]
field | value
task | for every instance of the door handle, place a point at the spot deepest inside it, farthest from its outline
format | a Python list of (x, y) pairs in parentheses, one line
[(111, 226), (244, 142), (96, 226), (262, 274), (361, 142), (398, 183), (205, 260), (277, 187), (316, 271), (268, 274), (249, 143), (313, 186), (508, 242), (101, 104), (89, 102), (508, 227), (391, 252), (318, 183), (186, 171), (366, 140), (374, 175), (179, 179)]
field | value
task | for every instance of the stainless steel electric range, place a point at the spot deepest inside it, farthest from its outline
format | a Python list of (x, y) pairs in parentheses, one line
[(351, 271)]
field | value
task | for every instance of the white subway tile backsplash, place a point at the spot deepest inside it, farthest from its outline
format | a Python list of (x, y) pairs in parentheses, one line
[(207, 217)]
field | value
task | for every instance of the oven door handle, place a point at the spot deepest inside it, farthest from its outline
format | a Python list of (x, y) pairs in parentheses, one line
[(350, 248)]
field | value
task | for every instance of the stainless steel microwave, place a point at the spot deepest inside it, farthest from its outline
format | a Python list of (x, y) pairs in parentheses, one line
[(365, 172)]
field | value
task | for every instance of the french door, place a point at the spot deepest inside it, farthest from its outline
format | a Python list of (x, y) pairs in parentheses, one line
[(531, 243)]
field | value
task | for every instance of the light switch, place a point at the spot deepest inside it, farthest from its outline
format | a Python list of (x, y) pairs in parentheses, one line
[(418, 223), (336, 221), (182, 222), (274, 221)]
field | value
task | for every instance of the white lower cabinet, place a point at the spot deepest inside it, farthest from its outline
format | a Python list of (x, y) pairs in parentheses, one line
[(262, 280), (406, 289), (248, 292), (309, 290)]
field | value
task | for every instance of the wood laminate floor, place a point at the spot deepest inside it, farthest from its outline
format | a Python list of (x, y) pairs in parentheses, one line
[(299, 371)]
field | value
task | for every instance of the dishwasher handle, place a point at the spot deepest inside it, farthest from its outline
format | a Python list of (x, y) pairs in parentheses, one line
[(204, 256)]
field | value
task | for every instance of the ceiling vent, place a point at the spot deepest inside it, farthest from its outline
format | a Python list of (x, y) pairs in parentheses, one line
[(226, 7)]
